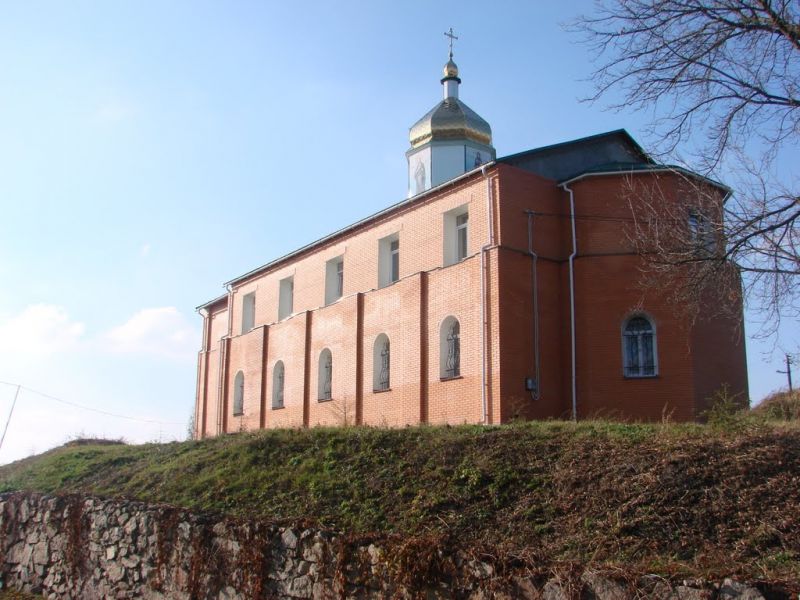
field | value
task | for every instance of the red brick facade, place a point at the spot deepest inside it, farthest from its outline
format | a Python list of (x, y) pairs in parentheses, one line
[(490, 293)]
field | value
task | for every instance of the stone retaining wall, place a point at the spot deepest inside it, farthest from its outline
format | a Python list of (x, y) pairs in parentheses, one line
[(91, 549)]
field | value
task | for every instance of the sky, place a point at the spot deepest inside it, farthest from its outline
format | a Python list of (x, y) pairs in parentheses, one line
[(150, 151)]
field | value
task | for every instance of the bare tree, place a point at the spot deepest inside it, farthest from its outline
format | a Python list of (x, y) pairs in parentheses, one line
[(191, 426), (722, 78)]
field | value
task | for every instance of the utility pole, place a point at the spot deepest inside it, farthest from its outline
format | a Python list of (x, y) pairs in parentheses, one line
[(788, 371)]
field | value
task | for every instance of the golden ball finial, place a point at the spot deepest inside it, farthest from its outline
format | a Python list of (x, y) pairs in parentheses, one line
[(450, 69)]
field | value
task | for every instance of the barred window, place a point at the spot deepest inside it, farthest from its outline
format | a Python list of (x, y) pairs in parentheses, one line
[(325, 375), (639, 347), (381, 363), (450, 348)]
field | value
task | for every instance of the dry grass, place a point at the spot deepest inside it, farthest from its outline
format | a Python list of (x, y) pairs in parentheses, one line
[(15, 595), (668, 499), (783, 406)]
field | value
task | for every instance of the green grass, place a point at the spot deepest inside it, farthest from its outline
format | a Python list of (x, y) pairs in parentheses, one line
[(682, 497)]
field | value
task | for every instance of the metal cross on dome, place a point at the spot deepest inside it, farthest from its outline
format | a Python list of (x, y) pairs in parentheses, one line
[(452, 37)]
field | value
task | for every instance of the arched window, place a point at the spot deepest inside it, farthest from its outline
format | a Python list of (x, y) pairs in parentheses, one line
[(639, 357), (450, 348), (380, 363), (238, 394), (325, 375), (277, 385)]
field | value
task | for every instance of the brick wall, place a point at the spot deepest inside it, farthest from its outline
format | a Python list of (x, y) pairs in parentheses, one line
[(426, 292), (411, 311)]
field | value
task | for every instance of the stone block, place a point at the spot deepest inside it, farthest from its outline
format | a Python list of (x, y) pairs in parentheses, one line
[(301, 587), (732, 590), (41, 554), (289, 538), (685, 592), (315, 552), (600, 587), (115, 572)]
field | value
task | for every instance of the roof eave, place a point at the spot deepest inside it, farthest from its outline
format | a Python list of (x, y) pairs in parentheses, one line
[(211, 303), (655, 169), (357, 224)]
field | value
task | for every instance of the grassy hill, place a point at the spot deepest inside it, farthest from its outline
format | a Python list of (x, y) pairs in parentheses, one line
[(670, 499)]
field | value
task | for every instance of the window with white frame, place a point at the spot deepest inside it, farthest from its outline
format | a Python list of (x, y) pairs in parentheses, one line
[(461, 236), (325, 375), (388, 260), (450, 348), (640, 357), (248, 312), (285, 297), (394, 250), (238, 394), (381, 363), (456, 235), (334, 279), (277, 385)]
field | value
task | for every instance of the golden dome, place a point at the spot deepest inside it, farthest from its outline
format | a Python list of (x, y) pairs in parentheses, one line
[(451, 69), (451, 119)]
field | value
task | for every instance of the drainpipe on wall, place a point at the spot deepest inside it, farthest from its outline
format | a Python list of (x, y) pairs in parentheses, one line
[(572, 299), (223, 351), (229, 287), (537, 393), (201, 412), (484, 249)]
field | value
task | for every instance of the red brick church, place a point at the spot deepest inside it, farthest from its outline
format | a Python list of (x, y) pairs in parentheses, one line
[(501, 288)]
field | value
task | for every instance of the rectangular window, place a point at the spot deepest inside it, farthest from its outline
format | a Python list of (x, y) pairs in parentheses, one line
[(394, 248), (285, 297), (248, 312), (461, 236), (388, 260), (455, 235), (700, 231), (334, 279)]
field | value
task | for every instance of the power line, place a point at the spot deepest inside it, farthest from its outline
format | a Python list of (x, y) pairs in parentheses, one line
[(11, 412), (87, 408)]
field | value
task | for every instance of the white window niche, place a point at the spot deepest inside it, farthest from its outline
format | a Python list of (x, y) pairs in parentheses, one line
[(285, 297), (334, 279), (388, 260), (248, 312)]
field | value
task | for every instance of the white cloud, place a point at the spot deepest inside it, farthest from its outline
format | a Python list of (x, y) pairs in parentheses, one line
[(144, 250), (41, 329), (161, 331)]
